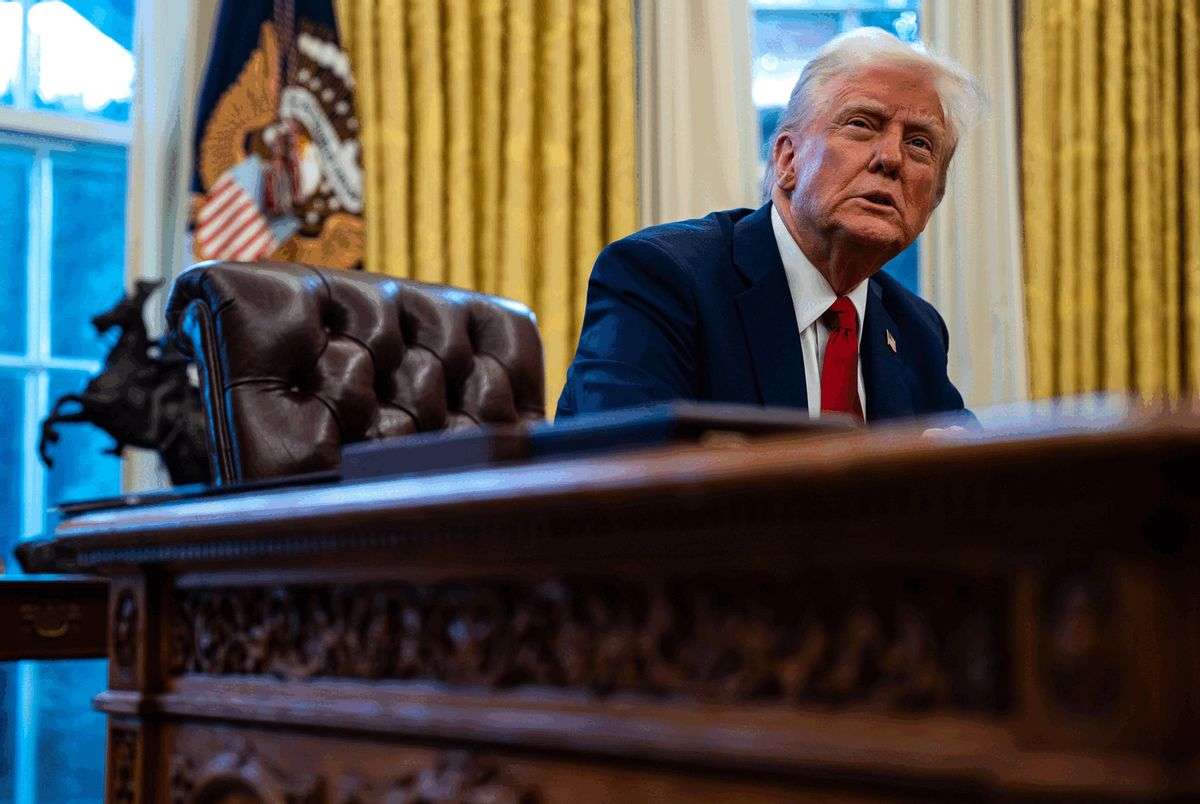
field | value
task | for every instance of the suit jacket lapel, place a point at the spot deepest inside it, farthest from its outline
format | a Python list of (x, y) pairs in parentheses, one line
[(768, 317), (884, 374)]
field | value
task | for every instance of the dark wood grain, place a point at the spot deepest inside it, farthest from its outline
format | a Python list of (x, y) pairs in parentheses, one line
[(874, 616)]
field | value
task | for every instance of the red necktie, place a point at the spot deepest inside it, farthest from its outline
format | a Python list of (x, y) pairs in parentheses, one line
[(839, 371)]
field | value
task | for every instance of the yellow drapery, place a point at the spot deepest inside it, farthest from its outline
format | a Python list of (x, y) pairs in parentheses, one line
[(1111, 186), (498, 146)]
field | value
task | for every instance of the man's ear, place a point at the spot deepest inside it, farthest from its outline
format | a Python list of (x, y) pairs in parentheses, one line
[(783, 157)]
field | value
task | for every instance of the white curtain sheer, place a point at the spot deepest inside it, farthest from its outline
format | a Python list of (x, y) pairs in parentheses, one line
[(170, 50), (698, 131), (971, 251)]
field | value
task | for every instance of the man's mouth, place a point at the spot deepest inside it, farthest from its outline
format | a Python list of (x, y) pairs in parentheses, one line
[(882, 199)]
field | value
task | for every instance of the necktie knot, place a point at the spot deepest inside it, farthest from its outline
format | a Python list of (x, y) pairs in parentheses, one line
[(841, 315)]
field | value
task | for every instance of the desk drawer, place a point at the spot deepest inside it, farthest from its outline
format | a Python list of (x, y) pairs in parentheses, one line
[(53, 617)]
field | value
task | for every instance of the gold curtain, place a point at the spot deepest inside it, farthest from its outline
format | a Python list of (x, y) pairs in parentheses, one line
[(1111, 181), (498, 145)]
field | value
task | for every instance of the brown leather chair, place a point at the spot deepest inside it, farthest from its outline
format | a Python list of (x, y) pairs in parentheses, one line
[(296, 361)]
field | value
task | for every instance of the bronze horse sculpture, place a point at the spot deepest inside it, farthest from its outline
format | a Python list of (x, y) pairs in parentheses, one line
[(142, 397)]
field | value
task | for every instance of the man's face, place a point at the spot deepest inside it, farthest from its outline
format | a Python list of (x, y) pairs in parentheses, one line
[(866, 167)]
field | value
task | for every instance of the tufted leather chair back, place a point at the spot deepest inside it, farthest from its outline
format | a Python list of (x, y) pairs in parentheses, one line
[(296, 361)]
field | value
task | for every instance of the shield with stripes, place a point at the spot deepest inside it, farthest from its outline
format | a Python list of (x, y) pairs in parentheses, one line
[(278, 170), (230, 223)]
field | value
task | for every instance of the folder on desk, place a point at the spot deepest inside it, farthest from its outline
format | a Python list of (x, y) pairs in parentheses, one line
[(631, 428)]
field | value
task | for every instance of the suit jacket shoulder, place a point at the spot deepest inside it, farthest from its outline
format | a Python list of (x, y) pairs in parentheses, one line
[(692, 246), (646, 298)]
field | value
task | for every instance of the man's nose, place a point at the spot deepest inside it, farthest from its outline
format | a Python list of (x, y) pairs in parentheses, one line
[(887, 155)]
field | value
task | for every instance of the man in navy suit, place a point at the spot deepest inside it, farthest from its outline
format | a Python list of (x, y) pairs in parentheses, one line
[(785, 305)]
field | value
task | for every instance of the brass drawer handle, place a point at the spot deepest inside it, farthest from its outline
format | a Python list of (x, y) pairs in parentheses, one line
[(49, 621)]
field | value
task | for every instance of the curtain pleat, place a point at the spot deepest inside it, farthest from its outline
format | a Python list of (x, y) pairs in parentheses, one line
[(1117, 355), (1145, 294), (1111, 131), (589, 143), (461, 244), (1090, 172), (1168, 172), (516, 280), (498, 145), (390, 179), (621, 114), (1189, 157), (489, 132), (554, 163), (429, 163), (1069, 211), (1039, 44)]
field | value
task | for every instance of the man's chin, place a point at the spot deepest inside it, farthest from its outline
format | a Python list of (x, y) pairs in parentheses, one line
[(875, 234)]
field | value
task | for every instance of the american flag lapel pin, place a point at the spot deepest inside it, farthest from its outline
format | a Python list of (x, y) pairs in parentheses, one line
[(891, 342)]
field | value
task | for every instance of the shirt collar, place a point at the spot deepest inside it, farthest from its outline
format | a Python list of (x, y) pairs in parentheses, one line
[(811, 292)]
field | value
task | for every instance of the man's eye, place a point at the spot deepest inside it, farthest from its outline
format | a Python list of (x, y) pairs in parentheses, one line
[(921, 142), (857, 122)]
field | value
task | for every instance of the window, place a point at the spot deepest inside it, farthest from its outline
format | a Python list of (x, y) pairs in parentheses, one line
[(64, 135), (785, 34)]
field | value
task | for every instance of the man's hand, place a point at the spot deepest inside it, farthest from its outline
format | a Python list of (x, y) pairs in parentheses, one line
[(942, 432)]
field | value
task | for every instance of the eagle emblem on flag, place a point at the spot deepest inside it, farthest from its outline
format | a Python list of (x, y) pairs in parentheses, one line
[(279, 159)]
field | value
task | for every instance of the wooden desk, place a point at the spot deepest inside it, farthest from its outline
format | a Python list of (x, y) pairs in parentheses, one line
[(869, 617)]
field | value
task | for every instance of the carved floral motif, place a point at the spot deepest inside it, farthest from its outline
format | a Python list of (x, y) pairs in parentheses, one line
[(125, 621), (239, 776), (908, 642), (459, 777), (122, 764), (1083, 675)]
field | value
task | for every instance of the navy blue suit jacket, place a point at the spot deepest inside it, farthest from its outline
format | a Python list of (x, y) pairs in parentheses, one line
[(701, 310)]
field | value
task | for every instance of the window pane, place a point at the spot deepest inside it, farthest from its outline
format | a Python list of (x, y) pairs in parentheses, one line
[(87, 271), (15, 166), (81, 469), (902, 23), (8, 729), (70, 733), (12, 405), (10, 49), (100, 85)]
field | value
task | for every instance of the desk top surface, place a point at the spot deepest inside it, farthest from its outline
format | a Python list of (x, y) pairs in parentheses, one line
[(1145, 456)]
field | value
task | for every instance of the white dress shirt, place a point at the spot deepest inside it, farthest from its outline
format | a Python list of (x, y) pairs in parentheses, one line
[(811, 298)]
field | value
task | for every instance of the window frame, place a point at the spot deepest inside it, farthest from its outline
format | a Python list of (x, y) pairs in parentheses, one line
[(45, 133)]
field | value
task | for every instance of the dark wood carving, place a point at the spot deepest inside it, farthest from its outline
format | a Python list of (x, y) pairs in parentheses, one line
[(1083, 675), (454, 776), (124, 628), (905, 642), (459, 776), (863, 618), (122, 765), (182, 779), (239, 776)]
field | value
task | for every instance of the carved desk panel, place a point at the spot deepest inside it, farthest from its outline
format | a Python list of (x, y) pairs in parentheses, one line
[(867, 617)]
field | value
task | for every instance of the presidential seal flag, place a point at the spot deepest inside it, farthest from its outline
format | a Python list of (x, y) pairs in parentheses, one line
[(278, 166)]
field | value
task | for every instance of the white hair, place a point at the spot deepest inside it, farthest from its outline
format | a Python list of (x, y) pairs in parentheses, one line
[(849, 53)]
